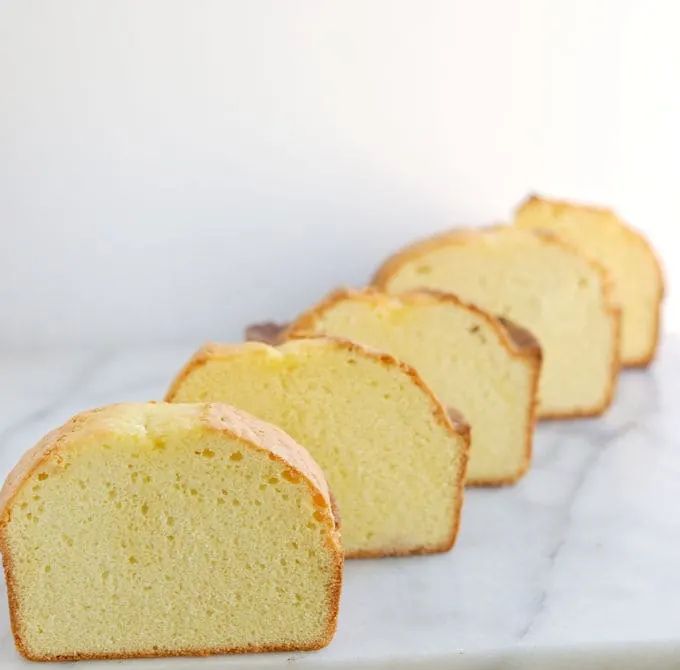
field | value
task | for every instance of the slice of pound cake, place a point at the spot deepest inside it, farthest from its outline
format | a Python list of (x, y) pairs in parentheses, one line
[(391, 455), (471, 360), (635, 270), (540, 283), (162, 530)]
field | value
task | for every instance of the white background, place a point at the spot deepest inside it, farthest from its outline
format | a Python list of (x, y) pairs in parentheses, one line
[(172, 170)]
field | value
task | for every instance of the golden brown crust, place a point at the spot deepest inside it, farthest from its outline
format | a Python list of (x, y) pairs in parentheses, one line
[(442, 415), (639, 238), (13, 601), (517, 341), (216, 416), (460, 236)]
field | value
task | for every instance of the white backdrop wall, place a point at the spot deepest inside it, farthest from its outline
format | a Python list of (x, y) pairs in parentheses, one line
[(172, 170)]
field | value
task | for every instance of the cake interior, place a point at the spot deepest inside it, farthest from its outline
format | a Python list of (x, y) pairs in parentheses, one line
[(150, 540), (393, 464)]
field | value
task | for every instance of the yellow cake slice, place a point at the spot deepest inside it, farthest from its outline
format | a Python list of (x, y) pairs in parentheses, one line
[(471, 360), (391, 455), (539, 282), (159, 530), (629, 257)]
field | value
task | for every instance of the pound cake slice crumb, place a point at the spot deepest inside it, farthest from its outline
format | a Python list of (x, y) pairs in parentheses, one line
[(152, 529), (471, 360), (390, 452), (636, 273)]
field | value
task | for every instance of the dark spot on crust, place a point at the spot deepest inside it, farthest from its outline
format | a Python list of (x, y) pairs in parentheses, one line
[(523, 338), (458, 420), (268, 332)]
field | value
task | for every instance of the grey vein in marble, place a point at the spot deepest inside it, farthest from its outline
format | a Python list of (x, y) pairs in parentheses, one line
[(562, 527)]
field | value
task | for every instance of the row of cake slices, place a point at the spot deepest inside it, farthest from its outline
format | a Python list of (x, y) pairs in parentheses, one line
[(506, 324)]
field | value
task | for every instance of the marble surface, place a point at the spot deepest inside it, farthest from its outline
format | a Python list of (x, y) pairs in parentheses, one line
[(577, 566)]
